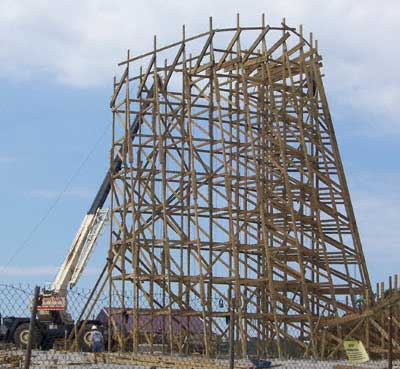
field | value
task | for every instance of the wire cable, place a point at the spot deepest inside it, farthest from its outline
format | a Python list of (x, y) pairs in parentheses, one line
[(44, 217)]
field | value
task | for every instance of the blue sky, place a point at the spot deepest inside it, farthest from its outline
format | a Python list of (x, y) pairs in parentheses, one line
[(56, 69)]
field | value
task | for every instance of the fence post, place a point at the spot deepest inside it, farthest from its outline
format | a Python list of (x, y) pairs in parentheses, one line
[(390, 351), (32, 326), (232, 333)]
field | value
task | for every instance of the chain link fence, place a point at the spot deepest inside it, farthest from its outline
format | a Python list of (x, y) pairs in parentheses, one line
[(15, 301)]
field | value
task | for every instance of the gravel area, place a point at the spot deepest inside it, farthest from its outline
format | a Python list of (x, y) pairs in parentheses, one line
[(61, 360)]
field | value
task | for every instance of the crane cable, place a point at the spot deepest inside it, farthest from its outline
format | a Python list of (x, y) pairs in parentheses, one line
[(52, 206)]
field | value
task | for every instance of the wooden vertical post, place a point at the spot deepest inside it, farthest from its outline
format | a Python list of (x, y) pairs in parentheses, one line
[(32, 327), (390, 351)]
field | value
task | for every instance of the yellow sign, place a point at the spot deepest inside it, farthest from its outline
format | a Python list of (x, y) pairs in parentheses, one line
[(356, 352)]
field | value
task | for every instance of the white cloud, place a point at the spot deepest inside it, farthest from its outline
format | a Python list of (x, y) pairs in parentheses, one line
[(25, 271), (80, 43), (7, 159), (376, 200), (41, 270)]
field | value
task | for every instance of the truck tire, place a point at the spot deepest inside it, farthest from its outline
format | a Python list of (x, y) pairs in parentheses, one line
[(21, 334), (85, 343)]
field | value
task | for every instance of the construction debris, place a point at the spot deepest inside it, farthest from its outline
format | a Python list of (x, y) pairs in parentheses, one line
[(166, 361), (10, 360)]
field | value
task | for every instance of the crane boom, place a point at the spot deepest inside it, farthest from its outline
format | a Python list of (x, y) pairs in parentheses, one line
[(82, 246), (92, 224), (53, 317)]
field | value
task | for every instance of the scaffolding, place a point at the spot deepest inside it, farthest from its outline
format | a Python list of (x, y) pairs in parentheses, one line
[(231, 199)]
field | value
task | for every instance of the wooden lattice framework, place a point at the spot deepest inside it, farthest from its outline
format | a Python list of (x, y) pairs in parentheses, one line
[(231, 184)]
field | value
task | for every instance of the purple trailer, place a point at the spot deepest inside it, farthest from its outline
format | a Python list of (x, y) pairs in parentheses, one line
[(188, 326)]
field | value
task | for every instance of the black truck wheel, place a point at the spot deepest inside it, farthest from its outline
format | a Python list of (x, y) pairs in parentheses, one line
[(85, 341), (21, 335)]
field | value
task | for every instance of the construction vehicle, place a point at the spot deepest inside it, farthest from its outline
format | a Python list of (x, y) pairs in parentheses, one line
[(53, 320)]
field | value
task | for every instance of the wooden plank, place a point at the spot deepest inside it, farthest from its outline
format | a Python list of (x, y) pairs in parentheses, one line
[(118, 88), (146, 75)]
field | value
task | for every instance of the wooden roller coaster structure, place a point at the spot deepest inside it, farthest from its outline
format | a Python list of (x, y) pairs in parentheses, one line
[(231, 187)]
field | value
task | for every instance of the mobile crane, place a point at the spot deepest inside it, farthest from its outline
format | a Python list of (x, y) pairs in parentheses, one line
[(53, 320)]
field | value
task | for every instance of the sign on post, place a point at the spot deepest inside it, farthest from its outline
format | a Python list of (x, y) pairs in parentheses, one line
[(356, 352)]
